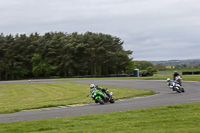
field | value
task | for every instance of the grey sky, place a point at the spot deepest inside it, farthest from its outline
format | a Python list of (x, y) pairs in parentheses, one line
[(152, 29)]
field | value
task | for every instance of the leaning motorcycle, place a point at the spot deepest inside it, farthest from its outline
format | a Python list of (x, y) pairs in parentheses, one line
[(175, 86), (102, 96)]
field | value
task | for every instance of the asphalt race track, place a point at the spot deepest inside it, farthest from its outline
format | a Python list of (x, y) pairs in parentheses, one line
[(164, 97)]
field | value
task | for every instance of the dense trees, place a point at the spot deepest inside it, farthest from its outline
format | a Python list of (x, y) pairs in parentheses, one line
[(61, 54), (143, 65), (160, 67)]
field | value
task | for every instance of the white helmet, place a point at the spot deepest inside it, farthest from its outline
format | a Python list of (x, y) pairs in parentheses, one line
[(92, 86), (168, 79)]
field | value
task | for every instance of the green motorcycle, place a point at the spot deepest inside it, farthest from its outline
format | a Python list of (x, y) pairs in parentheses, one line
[(102, 96)]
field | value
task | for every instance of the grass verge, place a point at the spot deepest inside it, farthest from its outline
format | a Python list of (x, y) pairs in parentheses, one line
[(160, 76), (167, 119), (27, 96)]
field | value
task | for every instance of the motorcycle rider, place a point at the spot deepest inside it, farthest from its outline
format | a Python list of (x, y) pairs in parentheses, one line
[(175, 75), (170, 83), (92, 87)]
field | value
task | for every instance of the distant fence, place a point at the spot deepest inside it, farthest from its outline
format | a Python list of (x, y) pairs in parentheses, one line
[(144, 74), (191, 73)]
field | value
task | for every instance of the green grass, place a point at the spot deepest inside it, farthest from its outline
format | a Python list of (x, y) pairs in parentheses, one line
[(167, 119), (155, 77), (158, 76), (27, 96), (184, 78)]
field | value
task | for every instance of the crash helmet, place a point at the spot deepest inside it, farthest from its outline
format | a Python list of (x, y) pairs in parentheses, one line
[(92, 86), (168, 79)]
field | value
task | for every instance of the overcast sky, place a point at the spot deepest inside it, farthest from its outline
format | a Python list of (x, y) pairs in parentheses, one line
[(152, 29)]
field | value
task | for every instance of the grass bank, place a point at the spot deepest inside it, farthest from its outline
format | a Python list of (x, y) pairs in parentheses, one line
[(159, 76), (168, 119), (155, 77), (184, 78), (26, 96)]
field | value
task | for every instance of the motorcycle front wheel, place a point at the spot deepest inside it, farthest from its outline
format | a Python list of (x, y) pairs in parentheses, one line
[(178, 90), (100, 101)]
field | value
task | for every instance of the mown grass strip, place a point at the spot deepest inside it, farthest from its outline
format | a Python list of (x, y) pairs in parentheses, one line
[(27, 96), (167, 119), (155, 77)]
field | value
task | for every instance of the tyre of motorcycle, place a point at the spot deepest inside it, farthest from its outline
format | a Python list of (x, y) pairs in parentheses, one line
[(112, 100), (96, 101), (100, 101), (178, 90), (182, 89)]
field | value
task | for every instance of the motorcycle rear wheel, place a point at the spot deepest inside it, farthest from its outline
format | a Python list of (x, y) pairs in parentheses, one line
[(112, 100), (182, 90)]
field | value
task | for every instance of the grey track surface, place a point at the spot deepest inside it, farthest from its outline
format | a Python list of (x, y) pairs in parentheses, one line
[(164, 97)]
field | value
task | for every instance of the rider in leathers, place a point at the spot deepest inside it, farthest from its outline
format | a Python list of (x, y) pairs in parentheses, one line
[(175, 75), (92, 87)]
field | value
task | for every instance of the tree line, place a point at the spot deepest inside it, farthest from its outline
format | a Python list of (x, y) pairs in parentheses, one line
[(62, 54)]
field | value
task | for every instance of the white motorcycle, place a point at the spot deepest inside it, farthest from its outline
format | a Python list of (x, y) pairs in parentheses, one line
[(175, 85)]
